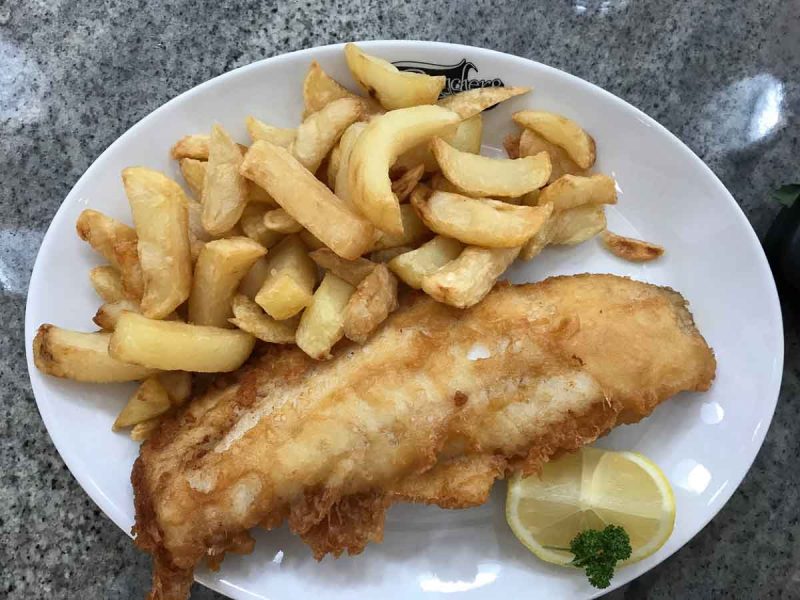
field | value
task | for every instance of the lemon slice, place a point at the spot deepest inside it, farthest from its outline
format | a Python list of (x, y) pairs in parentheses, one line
[(589, 490)]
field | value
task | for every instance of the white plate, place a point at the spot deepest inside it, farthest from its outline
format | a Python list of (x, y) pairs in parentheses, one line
[(705, 443)]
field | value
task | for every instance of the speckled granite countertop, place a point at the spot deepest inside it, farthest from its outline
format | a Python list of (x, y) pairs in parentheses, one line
[(723, 76)]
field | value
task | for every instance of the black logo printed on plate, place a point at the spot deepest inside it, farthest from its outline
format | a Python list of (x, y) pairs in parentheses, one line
[(458, 75)]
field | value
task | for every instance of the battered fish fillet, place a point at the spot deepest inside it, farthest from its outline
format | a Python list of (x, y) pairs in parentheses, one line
[(434, 408)]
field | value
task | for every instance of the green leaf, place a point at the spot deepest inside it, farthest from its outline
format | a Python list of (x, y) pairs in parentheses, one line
[(597, 552), (787, 194)]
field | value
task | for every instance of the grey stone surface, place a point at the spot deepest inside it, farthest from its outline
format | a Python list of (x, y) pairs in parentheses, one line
[(74, 75)]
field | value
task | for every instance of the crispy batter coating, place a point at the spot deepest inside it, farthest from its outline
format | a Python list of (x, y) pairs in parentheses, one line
[(433, 408)]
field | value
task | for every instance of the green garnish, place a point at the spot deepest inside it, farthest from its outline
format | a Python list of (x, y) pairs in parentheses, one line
[(787, 194), (597, 552)]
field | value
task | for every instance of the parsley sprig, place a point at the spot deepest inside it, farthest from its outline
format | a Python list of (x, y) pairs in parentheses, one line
[(597, 552)]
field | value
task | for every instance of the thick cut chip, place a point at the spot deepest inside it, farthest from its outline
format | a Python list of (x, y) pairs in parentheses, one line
[(466, 280), (484, 176), (388, 85), (412, 267), (578, 224), (107, 315), (103, 232), (279, 136), (570, 191), (148, 401), (322, 323), (290, 280), (374, 299), (107, 282), (160, 213), (631, 249), (472, 102), (220, 268), (224, 188), (531, 143), (248, 316), (480, 221), (346, 143), (561, 131), (81, 357), (194, 174), (375, 151), (175, 346), (308, 200), (320, 89), (318, 134)]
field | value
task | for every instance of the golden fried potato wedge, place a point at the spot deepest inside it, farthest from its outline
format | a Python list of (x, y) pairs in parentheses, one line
[(374, 299), (412, 267), (279, 136), (160, 212), (320, 89), (531, 144), (248, 316), (570, 191), (497, 177), (107, 283), (631, 249), (322, 323), (81, 357), (194, 174), (220, 268), (176, 346), (472, 102), (346, 143), (388, 85), (405, 184), (480, 221), (126, 258), (578, 224), (560, 131), (352, 271), (279, 221), (308, 200), (191, 146), (148, 401), (224, 188), (103, 233), (466, 137), (466, 280), (377, 148), (107, 315), (414, 231), (290, 281), (318, 134)]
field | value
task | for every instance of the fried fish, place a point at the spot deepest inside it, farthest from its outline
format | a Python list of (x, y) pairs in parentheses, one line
[(438, 404)]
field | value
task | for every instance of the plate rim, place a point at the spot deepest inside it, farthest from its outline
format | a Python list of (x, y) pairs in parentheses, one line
[(772, 300)]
